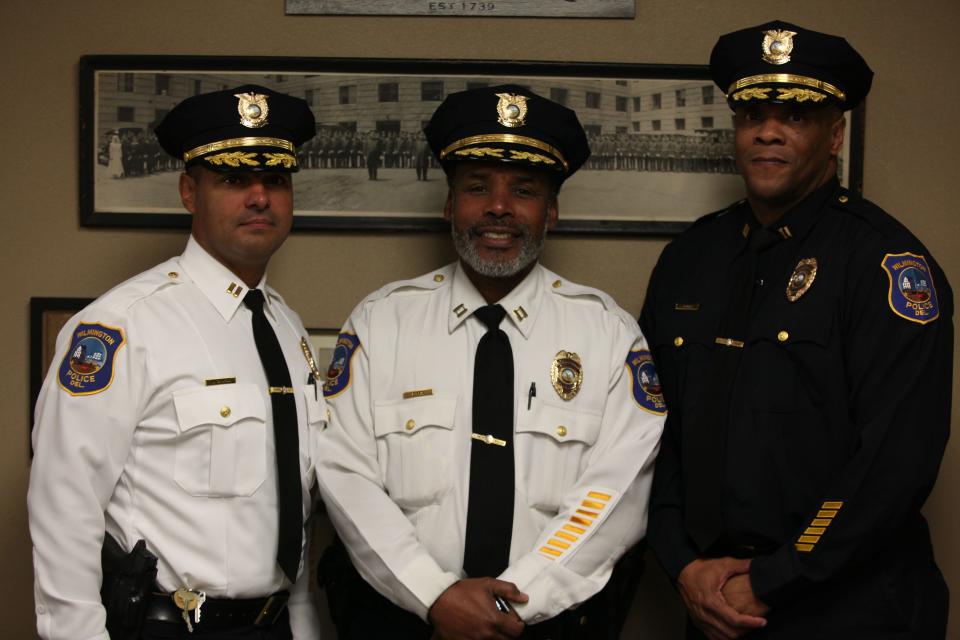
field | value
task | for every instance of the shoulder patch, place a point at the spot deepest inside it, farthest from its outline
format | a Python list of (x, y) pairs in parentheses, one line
[(912, 294), (87, 368), (645, 382), (339, 371)]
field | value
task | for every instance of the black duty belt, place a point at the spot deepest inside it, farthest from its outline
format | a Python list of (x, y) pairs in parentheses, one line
[(220, 614)]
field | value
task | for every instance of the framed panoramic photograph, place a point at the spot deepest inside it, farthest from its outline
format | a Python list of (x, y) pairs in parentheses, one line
[(661, 139)]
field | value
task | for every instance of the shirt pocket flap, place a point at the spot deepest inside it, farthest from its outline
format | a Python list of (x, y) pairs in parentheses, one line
[(410, 416), (563, 424), (221, 405)]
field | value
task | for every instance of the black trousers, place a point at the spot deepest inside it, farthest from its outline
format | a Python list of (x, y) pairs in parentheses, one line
[(157, 630), (359, 612)]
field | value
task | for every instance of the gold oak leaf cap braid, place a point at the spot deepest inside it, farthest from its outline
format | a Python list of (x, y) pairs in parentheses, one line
[(785, 63), (247, 128)]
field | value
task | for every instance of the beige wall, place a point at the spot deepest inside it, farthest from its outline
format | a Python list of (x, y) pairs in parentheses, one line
[(911, 169)]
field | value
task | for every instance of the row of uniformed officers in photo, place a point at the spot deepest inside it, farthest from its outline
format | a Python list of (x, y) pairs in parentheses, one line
[(492, 441)]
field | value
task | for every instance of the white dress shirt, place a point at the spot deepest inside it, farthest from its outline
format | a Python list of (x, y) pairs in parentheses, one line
[(176, 449), (394, 466)]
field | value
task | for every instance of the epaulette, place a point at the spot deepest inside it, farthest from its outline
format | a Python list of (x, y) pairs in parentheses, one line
[(562, 287), (143, 285), (881, 221), (427, 282)]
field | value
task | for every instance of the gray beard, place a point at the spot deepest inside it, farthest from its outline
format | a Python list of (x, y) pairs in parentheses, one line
[(497, 268)]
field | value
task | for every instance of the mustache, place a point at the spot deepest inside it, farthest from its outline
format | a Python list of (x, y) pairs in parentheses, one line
[(478, 228), (266, 214)]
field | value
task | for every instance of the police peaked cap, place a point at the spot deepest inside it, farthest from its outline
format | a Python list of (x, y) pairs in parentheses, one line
[(781, 62), (507, 123), (249, 128)]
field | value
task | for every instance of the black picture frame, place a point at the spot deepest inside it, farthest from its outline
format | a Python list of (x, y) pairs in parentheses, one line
[(606, 197), (47, 317)]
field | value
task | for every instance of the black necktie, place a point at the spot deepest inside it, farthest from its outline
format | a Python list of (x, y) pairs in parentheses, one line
[(705, 437), (285, 437), (490, 507)]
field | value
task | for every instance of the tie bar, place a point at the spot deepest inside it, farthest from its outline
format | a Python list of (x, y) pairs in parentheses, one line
[(488, 439)]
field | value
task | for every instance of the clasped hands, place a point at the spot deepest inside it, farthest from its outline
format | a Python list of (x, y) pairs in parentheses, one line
[(467, 610), (719, 597)]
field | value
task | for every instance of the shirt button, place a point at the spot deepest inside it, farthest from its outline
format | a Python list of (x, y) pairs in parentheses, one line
[(173, 274), (556, 284), (438, 277), (678, 341), (224, 411), (411, 424), (783, 336), (561, 431)]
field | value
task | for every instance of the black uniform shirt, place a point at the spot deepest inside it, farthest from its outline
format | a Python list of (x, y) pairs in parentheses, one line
[(839, 409)]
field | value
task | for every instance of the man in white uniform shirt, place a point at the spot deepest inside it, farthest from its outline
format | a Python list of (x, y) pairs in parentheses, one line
[(492, 439), (175, 430)]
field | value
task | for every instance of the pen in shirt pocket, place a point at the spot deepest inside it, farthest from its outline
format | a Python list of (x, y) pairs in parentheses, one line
[(531, 394)]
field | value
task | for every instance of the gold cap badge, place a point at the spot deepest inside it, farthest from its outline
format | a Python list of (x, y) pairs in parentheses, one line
[(777, 46), (566, 374), (512, 109), (801, 279), (253, 109)]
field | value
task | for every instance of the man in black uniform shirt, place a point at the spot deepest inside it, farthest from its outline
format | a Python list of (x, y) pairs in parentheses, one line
[(804, 343)]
